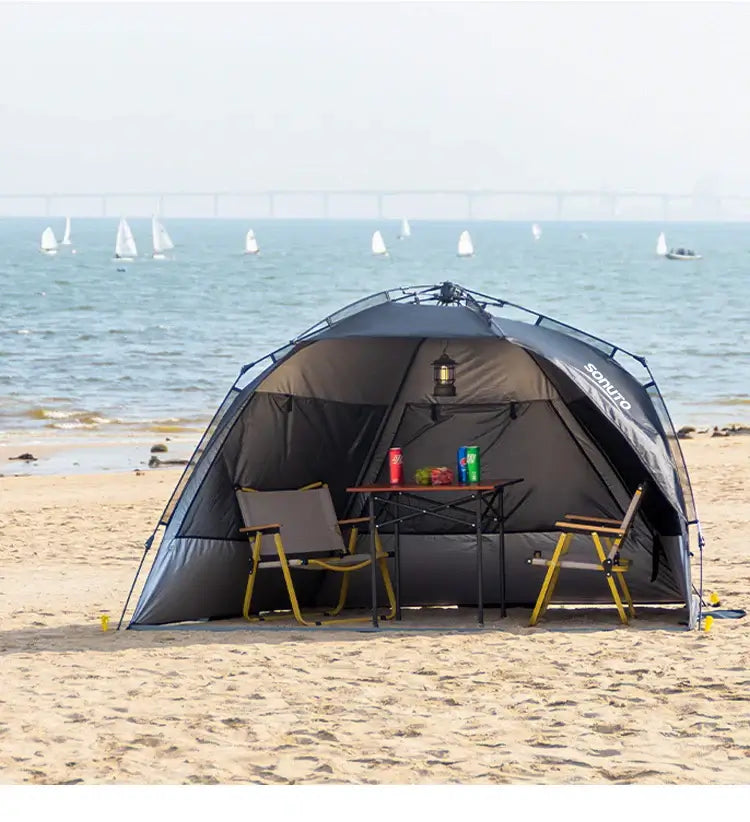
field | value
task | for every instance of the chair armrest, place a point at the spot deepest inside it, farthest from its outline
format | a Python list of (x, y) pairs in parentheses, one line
[(593, 519), (588, 529), (261, 529), (353, 521)]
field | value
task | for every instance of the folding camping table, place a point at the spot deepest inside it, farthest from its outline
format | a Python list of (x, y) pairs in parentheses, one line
[(414, 501)]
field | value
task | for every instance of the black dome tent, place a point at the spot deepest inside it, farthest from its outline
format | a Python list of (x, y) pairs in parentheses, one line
[(580, 419)]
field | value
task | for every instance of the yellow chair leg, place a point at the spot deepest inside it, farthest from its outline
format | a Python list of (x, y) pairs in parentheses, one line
[(550, 579), (345, 581), (556, 575), (626, 593), (382, 561), (251, 577), (289, 584), (342, 597), (610, 579), (609, 542)]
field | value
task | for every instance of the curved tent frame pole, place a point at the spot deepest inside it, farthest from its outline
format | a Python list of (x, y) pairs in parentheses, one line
[(148, 544)]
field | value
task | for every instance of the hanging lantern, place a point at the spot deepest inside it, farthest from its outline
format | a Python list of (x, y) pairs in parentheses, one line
[(444, 375)]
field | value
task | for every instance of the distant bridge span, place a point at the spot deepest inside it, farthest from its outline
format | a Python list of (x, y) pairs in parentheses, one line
[(607, 198)]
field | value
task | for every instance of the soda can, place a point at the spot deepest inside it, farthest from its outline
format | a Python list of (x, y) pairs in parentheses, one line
[(473, 469), (461, 471), (396, 462)]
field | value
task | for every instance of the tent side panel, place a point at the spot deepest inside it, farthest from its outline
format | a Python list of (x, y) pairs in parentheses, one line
[(441, 570), (206, 579)]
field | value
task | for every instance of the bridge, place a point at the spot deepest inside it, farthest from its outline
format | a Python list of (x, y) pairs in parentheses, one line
[(608, 200)]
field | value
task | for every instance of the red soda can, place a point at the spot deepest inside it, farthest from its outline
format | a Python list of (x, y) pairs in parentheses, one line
[(396, 462)]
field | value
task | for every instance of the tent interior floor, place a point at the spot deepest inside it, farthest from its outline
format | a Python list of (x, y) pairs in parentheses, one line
[(461, 619)]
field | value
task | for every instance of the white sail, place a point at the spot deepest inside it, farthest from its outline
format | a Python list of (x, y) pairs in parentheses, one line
[(661, 245), (465, 245), (125, 243), (536, 231), (251, 244), (405, 229), (161, 240), (378, 244), (66, 235), (48, 242)]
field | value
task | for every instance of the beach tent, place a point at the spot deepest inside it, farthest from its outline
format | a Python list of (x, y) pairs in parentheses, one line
[(580, 419)]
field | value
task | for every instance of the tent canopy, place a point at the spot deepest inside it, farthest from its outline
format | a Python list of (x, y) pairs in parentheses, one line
[(542, 400)]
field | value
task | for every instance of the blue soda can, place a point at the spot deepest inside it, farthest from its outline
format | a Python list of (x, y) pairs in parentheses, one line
[(462, 474)]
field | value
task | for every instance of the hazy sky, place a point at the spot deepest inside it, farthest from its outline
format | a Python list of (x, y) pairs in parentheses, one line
[(194, 96)]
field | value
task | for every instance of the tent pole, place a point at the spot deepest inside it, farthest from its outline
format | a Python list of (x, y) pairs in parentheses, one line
[(148, 544)]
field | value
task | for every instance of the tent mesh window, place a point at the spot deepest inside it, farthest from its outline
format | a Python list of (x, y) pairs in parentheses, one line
[(197, 454), (355, 308), (633, 366), (280, 353), (343, 313), (594, 342)]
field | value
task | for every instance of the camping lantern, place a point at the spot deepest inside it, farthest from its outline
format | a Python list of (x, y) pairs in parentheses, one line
[(444, 375)]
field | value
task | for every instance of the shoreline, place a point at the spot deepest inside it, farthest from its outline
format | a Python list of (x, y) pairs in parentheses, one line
[(61, 454)]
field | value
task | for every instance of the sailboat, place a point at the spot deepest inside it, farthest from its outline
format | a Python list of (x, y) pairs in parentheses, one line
[(48, 244), (66, 235), (251, 244), (465, 245), (378, 244), (405, 230), (661, 245), (125, 243), (536, 231), (161, 240)]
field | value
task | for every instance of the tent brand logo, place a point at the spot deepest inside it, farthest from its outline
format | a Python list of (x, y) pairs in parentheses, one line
[(607, 387)]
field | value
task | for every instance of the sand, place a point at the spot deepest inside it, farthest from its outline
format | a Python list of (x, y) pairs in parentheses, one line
[(649, 704)]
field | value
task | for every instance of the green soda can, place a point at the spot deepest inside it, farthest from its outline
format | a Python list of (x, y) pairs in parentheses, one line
[(473, 469)]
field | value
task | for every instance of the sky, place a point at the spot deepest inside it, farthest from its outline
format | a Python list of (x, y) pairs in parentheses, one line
[(125, 96)]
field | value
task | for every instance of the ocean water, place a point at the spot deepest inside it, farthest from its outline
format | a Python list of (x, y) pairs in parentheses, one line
[(90, 352)]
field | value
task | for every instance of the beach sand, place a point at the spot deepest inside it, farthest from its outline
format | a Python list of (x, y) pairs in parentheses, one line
[(575, 700)]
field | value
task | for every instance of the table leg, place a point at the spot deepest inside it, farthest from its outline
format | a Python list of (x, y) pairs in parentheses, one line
[(480, 600), (501, 554), (373, 555), (397, 537)]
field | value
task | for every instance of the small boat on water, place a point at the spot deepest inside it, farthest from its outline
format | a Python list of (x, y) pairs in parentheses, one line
[(682, 254), (536, 231), (251, 244), (125, 248), (661, 245), (378, 245), (48, 243), (465, 245), (66, 235), (160, 239), (405, 230)]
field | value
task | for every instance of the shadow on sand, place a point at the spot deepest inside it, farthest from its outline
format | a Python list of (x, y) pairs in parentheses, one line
[(78, 637)]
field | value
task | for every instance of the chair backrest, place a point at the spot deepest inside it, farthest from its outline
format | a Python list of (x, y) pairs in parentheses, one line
[(635, 502), (307, 519)]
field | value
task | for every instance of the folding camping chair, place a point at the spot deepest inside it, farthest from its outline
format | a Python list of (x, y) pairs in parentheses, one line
[(306, 536), (610, 531)]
